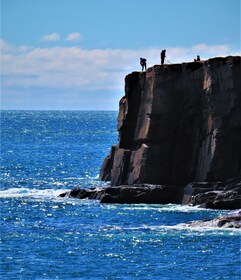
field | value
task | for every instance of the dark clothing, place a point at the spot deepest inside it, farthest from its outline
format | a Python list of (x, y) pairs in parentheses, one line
[(143, 63), (163, 55)]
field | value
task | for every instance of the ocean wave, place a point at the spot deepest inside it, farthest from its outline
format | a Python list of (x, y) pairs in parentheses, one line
[(160, 207), (208, 227), (30, 193), (183, 228)]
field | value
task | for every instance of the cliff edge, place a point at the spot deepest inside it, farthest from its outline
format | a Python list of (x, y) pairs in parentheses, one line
[(177, 124)]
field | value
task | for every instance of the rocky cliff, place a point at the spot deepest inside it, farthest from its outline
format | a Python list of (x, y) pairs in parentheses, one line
[(179, 123)]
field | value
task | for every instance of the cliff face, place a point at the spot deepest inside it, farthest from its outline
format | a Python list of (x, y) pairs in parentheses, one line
[(179, 123)]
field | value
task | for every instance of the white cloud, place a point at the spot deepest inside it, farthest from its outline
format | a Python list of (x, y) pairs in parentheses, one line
[(5, 47), (87, 70), (51, 37), (74, 37)]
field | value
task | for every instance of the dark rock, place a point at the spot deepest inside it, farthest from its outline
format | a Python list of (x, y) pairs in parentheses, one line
[(215, 196), (105, 172), (120, 166), (205, 195), (143, 193), (150, 194), (227, 204), (80, 193), (193, 190), (230, 221)]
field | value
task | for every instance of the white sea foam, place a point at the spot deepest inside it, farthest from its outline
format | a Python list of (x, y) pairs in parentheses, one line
[(30, 193), (164, 207), (183, 228), (234, 212), (208, 227)]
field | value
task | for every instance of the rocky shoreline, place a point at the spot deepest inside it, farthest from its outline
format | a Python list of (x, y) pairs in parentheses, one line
[(204, 195), (219, 195), (134, 194)]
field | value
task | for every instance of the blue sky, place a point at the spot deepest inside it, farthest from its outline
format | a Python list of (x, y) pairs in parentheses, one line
[(74, 54)]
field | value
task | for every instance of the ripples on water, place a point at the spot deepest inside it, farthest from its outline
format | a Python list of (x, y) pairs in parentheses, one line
[(54, 149), (46, 237)]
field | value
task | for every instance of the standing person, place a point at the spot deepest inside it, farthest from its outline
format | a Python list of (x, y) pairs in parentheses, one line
[(143, 63), (198, 58), (163, 55)]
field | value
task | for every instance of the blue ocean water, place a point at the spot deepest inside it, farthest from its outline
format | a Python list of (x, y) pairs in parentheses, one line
[(44, 153)]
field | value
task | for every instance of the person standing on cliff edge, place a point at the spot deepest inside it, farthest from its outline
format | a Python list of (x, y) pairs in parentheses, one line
[(198, 59), (143, 63), (163, 55)]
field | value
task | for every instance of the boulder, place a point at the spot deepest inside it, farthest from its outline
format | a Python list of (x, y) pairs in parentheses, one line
[(81, 193)]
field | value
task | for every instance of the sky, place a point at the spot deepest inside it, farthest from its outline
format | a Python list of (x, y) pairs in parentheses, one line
[(75, 54)]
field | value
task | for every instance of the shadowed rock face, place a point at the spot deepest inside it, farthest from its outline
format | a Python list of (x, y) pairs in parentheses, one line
[(141, 193), (219, 195), (179, 123), (214, 195)]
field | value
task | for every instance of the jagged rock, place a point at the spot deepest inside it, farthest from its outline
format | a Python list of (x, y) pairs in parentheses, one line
[(143, 193), (205, 194), (226, 204), (219, 195), (81, 193), (179, 123), (150, 194), (233, 220), (105, 172)]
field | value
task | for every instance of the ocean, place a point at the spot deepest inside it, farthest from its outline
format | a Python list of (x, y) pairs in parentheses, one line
[(44, 153)]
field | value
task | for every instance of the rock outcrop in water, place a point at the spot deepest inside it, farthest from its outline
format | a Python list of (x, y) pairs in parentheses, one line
[(232, 220), (226, 196), (218, 195), (177, 124), (140, 193)]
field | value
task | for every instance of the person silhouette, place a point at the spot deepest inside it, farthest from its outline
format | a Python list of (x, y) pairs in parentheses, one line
[(198, 58), (163, 55), (143, 63)]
